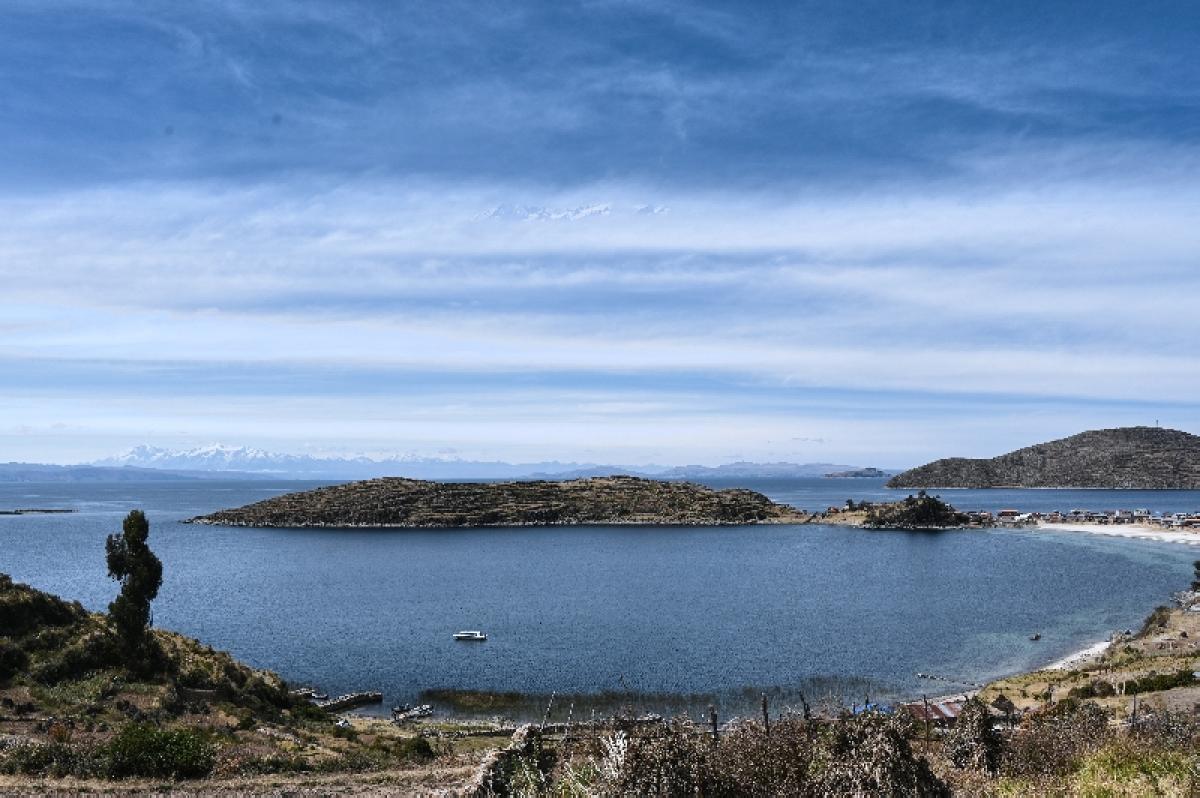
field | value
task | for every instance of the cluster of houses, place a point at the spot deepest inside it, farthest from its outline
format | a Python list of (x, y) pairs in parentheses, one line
[(1142, 517), (1016, 518)]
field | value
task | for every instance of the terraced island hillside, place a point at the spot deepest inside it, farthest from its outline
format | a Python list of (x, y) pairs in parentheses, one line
[(398, 502), (1127, 457)]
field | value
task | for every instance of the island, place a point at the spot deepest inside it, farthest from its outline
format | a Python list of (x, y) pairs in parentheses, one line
[(400, 502), (857, 473), (1150, 458)]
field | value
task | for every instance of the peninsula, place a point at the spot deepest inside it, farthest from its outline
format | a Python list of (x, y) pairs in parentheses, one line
[(398, 502), (1149, 458)]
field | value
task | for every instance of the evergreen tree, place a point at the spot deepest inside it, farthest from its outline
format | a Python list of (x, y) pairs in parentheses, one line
[(139, 571)]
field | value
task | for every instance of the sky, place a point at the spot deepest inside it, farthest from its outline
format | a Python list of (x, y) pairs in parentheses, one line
[(873, 233)]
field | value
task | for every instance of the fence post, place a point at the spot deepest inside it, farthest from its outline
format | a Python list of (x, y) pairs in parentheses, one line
[(712, 719), (766, 717)]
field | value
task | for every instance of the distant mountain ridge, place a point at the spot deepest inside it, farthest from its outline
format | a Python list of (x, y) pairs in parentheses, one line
[(38, 472), (1126, 457), (248, 460), (251, 461)]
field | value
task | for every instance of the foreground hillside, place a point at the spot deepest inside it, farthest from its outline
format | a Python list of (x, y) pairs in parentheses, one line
[(1127, 457), (76, 717), (396, 502)]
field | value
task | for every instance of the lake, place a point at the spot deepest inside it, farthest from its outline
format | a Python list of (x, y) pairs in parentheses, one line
[(658, 618)]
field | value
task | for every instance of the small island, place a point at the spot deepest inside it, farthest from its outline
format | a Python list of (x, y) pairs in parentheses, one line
[(414, 503), (858, 473), (919, 512)]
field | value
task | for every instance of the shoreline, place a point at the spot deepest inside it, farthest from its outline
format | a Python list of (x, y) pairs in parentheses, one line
[(1130, 531), (1081, 657)]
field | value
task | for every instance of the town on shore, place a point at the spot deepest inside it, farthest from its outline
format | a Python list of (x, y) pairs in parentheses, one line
[(944, 515)]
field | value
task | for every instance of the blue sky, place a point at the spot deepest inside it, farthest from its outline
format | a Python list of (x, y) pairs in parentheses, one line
[(625, 232)]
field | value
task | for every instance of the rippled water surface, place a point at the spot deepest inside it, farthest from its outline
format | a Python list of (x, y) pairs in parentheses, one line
[(639, 611)]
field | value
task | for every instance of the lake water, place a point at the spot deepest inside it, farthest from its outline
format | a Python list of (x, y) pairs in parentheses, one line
[(711, 614)]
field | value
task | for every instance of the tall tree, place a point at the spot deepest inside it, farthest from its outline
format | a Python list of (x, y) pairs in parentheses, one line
[(139, 571)]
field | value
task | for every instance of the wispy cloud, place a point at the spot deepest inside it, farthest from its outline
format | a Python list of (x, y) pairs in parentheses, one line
[(692, 230)]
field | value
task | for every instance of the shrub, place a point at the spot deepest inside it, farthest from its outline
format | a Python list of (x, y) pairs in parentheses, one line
[(870, 755), (1155, 682), (1155, 619), (1176, 731), (51, 759), (78, 658), (666, 760), (303, 710), (973, 743), (867, 754), (142, 750), (1053, 741), (1094, 689), (12, 660), (416, 748)]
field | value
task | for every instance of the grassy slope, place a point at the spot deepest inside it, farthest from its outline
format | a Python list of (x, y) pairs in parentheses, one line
[(65, 695)]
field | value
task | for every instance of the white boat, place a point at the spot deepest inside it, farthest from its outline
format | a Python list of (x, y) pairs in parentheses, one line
[(470, 635)]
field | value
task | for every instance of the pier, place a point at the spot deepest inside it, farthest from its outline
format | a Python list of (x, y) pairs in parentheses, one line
[(350, 701)]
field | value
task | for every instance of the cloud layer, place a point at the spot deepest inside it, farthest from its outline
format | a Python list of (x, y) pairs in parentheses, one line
[(687, 234)]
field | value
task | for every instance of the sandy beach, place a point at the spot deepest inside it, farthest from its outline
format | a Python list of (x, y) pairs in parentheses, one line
[(1072, 661), (1137, 531)]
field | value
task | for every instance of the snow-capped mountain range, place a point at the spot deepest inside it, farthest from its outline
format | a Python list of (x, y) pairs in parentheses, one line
[(247, 460)]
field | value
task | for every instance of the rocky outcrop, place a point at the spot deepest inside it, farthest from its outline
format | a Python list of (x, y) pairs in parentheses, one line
[(397, 502), (1127, 457)]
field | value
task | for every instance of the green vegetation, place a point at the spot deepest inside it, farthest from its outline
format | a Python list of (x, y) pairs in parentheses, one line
[(139, 749), (915, 512), (1156, 682), (477, 700), (398, 502), (93, 696), (139, 571), (143, 750), (1156, 619)]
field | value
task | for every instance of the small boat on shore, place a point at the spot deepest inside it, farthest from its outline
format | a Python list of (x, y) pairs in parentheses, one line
[(470, 634)]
